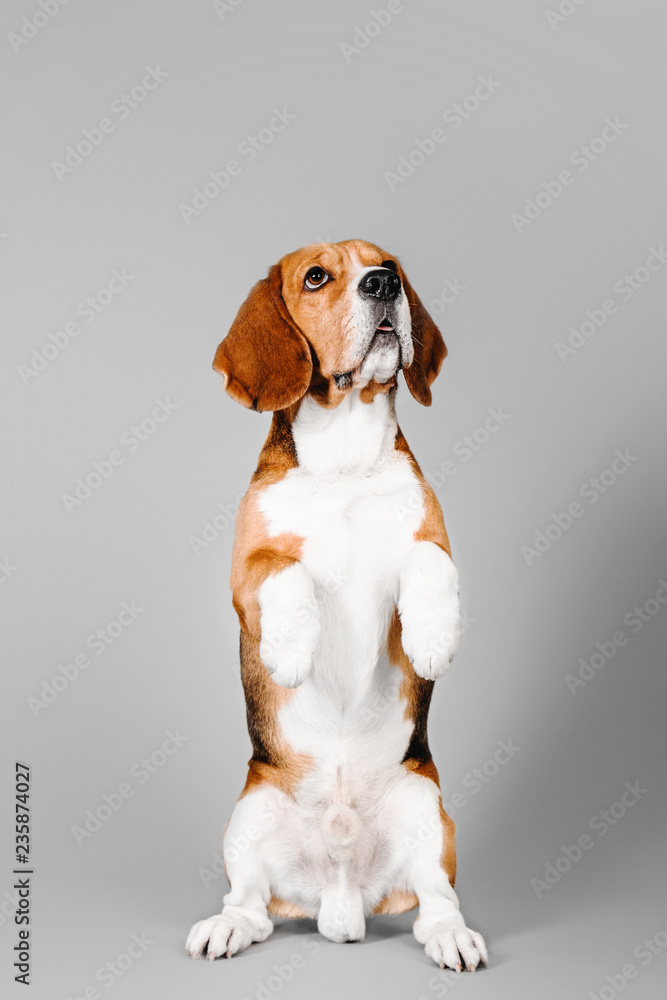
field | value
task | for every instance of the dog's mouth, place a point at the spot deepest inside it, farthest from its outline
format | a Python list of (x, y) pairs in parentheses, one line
[(385, 336)]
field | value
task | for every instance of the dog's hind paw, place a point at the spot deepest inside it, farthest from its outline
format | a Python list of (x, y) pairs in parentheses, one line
[(226, 934), (455, 947)]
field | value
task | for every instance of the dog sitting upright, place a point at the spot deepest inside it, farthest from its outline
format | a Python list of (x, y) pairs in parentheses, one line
[(348, 602)]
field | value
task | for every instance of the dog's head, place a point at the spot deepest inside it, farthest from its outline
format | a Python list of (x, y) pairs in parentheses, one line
[(329, 318)]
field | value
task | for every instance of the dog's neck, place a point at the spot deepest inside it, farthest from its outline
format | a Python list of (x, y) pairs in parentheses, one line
[(355, 438)]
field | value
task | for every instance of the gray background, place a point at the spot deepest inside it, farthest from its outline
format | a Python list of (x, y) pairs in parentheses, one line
[(175, 668)]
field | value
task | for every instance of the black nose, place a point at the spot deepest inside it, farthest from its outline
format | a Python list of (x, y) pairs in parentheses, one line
[(381, 284)]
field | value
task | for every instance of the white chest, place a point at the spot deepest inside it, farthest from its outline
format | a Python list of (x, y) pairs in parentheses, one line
[(354, 499), (356, 502)]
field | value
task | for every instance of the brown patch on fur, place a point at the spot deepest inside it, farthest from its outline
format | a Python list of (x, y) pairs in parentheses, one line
[(432, 528), (265, 359), (425, 767), (448, 857), (429, 347), (273, 760), (396, 901), (255, 565), (325, 390), (256, 556), (370, 391), (281, 908)]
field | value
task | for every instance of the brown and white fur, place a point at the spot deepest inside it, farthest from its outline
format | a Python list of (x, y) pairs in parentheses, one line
[(347, 596)]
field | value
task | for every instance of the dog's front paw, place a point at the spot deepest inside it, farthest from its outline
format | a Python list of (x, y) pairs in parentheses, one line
[(226, 934), (290, 625), (289, 664), (428, 606), (454, 945), (431, 638)]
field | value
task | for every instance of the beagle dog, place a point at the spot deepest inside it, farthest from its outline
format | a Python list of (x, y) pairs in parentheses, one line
[(347, 596)]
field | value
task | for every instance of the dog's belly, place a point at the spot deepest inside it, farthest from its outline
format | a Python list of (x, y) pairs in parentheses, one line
[(348, 715)]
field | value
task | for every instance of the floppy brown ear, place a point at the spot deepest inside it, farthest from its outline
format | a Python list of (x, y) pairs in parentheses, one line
[(430, 350), (265, 360)]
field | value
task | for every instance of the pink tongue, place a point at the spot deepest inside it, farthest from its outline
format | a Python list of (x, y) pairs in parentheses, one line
[(386, 328)]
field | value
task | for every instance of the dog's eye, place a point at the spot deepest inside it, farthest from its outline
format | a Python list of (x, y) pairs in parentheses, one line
[(315, 278), (391, 264)]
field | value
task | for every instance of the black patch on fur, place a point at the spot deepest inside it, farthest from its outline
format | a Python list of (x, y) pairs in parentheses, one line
[(418, 748)]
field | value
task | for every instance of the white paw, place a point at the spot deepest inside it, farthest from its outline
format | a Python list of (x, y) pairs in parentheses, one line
[(455, 946), (428, 605), (226, 934), (290, 625), (290, 664), (431, 638)]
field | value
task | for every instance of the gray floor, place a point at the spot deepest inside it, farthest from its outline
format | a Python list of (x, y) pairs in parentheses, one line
[(564, 945)]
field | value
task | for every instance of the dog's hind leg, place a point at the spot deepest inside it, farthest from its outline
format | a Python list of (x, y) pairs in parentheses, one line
[(244, 918), (423, 843)]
